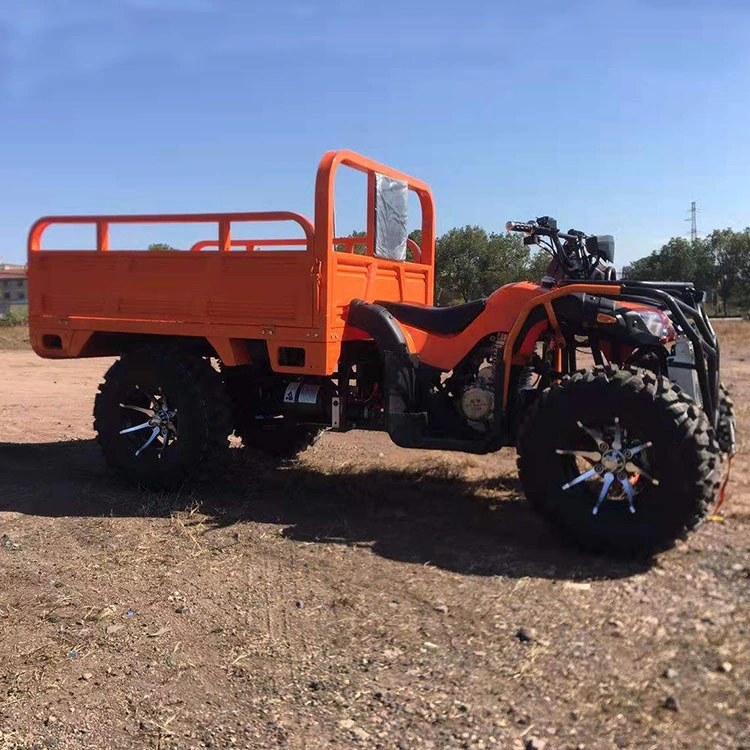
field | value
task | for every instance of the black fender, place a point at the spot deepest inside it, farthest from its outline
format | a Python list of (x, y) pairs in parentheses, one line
[(406, 426)]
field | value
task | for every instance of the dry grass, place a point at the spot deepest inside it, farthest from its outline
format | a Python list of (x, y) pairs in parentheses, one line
[(14, 338), (366, 596), (732, 333)]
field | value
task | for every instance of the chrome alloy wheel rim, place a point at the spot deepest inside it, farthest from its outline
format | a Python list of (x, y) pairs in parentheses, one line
[(612, 465), (160, 421)]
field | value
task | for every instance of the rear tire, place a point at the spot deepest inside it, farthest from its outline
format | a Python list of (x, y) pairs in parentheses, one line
[(277, 437), (683, 457), (179, 395), (283, 442)]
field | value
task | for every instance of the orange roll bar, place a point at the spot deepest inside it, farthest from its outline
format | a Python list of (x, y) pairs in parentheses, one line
[(250, 245), (223, 221)]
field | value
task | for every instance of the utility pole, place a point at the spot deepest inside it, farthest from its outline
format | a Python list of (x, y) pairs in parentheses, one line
[(693, 222)]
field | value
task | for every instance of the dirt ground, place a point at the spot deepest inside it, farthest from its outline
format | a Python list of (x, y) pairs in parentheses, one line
[(365, 597)]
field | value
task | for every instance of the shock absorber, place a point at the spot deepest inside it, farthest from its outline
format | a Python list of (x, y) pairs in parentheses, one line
[(497, 347)]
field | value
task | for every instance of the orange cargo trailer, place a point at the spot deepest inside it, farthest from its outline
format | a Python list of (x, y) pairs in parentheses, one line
[(291, 294), (277, 339)]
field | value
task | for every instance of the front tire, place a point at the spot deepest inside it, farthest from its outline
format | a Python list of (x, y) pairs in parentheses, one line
[(725, 429), (162, 417), (660, 466)]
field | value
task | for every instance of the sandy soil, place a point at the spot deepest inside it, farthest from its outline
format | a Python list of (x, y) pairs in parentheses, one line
[(367, 596)]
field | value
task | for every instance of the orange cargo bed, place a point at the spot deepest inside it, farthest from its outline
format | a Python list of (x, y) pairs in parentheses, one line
[(292, 294)]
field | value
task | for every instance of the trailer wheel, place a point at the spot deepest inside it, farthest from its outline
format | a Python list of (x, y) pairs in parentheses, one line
[(725, 430), (162, 417), (619, 460), (282, 441), (249, 390)]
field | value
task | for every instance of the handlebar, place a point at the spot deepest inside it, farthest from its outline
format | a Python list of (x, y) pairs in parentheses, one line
[(575, 256), (531, 227)]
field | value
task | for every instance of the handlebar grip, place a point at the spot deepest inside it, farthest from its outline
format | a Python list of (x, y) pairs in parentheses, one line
[(519, 226)]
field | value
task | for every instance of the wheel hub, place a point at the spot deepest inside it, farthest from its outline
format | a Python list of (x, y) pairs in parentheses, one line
[(160, 422), (611, 463)]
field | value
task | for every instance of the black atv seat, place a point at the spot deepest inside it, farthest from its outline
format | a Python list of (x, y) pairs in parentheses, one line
[(445, 320)]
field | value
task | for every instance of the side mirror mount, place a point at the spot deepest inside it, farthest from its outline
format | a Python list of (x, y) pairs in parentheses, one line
[(547, 222)]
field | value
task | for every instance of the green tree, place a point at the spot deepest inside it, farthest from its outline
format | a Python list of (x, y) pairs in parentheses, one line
[(731, 254), (463, 264), (160, 246), (471, 263), (416, 235), (538, 264), (677, 260), (359, 249)]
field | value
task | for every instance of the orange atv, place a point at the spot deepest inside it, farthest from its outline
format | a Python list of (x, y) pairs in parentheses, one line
[(277, 339)]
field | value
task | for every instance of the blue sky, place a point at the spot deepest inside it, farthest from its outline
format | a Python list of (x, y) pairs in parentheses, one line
[(611, 116)]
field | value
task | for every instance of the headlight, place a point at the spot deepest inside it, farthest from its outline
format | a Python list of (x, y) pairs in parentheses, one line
[(658, 324)]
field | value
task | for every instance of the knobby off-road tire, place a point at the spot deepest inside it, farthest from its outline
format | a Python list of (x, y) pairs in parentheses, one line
[(725, 429), (190, 386), (684, 458), (280, 439)]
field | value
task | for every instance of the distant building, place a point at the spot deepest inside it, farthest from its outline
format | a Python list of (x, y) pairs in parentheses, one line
[(14, 288)]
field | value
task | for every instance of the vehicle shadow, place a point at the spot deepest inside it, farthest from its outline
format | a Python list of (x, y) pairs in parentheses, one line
[(434, 516)]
